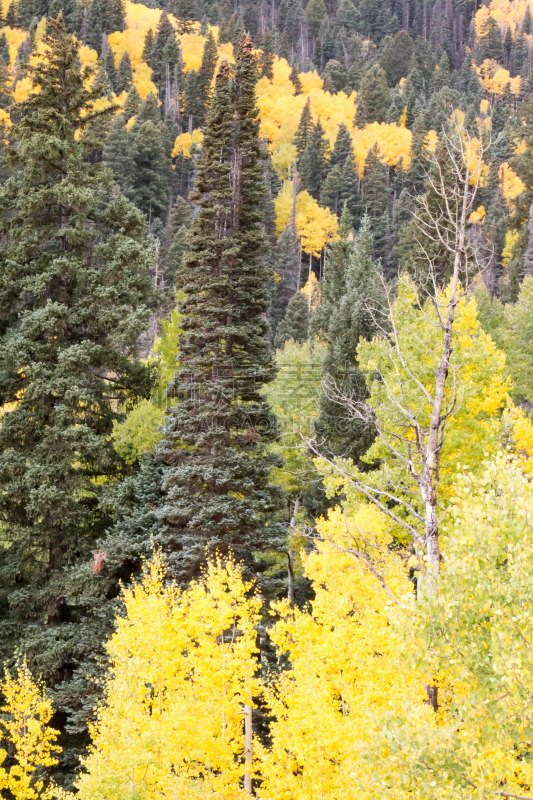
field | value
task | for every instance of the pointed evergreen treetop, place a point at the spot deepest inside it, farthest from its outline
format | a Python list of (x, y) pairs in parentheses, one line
[(217, 491), (75, 296), (304, 128)]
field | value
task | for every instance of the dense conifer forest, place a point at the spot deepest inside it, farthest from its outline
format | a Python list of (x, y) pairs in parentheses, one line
[(266, 397)]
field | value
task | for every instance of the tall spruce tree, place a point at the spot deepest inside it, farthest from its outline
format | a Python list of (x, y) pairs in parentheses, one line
[(490, 40), (373, 98), (295, 80), (75, 294), (303, 131), (314, 161), (111, 70), (375, 198), (5, 57), (147, 47), (204, 78), (352, 309), (124, 79), (295, 324), (152, 168), (266, 59), (342, 147), (164, 33), (217, 491), (119, 155), (287, 272), (132, 104)]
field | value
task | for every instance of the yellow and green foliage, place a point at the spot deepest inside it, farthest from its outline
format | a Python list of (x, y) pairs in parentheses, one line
[(32, 745), (400, 369), (182, 669)]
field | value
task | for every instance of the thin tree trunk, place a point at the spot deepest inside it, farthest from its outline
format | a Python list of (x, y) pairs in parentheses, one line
[(248, 751), (290, 556)]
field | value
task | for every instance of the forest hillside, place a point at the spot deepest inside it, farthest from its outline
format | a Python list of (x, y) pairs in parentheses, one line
[(266, 392)]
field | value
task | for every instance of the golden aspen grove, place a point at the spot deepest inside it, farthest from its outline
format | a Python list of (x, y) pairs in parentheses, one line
[(266, 399)]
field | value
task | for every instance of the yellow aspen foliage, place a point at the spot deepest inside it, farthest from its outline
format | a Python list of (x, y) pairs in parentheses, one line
[(15, 37), (280, 109), (316, 226), (511, 184), (40, 31), (511, 238), (131, 39), (495, 78), (283, 158), (171, 724), (185, 140), (507, 13), (476, 381), (394, 142), (477, 216), (26, 714), (311, 291), (344, 667), (518, 430), (142, 78), (310, 81)]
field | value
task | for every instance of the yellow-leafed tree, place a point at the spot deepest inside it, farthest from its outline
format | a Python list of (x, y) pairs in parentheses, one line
[(316, 226), (345, 670), (31, 742), (182, 677)]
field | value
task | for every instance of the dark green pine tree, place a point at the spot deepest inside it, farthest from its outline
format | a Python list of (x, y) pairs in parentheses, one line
[(149, 110), (295, 324), (12, 15), (396, 56), (349, 192), (6, 87), (192, 106), (415, 245), (164, 33), (204, 78), (148, 44), (75, 294), (295, 80), (218, 495), (419, 153), (354, 309), (527, 25), (185, 12), (111, 70), (342, 147), (266, 58), (104, 16), (95, 26), (115, 18), (314, 161), (124, 79), (375, 198), (6, 81), (303, 131), (174, 244), (5, 57), (490, 41), (152, 169), (132, 104), (441, 74), (373, 98), (118, 154), (330, 190), (286, 275)]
